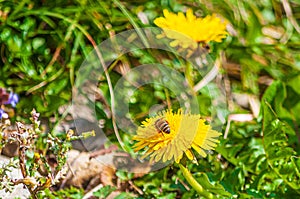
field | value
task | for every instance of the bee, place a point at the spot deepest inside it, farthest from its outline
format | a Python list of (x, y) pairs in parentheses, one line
[(162, 126)]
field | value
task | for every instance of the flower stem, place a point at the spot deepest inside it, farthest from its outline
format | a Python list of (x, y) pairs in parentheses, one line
[(191, 180)]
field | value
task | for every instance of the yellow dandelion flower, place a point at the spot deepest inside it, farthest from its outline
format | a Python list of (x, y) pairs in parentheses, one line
[(187, 132), (187, 31)]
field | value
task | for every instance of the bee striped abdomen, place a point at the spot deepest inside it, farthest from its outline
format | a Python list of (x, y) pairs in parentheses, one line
[(162, 126)]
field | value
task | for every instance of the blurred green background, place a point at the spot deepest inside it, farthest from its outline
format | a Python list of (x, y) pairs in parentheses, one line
[(43, 44)]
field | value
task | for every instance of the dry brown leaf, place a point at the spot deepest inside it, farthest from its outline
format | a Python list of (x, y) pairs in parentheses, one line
[(83, 168)]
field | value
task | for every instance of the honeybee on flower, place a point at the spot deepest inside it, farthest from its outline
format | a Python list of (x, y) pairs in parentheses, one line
[(185, 133)]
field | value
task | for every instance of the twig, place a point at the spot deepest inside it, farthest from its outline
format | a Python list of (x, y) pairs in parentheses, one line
[(136, 188), (289, 14), (90, 193), (183, 184), (21, 154), (210, 76)]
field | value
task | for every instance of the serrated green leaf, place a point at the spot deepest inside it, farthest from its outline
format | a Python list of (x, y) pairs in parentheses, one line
[(278, 152), (215, 187)]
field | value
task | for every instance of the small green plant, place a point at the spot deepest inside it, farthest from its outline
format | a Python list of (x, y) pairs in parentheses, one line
[(41, 156), (70, 193), (104, 191)]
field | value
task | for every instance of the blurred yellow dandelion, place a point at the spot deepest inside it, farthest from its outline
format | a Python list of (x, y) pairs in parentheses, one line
[(187, 132), (187, 31)]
